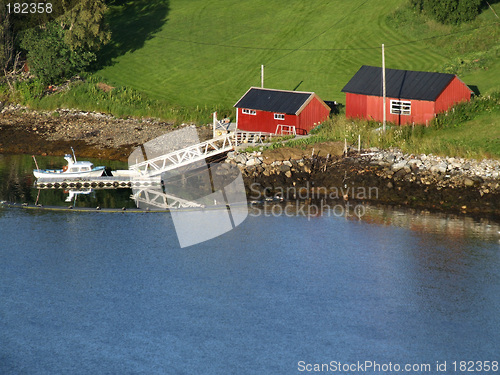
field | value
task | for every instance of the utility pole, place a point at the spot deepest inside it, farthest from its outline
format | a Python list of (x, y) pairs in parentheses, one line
[(262, 76), (383, 88)]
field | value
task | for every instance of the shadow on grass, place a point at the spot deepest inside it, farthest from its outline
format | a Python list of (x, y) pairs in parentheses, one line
[(131, 23)]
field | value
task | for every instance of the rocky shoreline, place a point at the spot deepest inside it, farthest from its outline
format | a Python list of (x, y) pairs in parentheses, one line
[(375, 176), (93, 135), (320, 171)]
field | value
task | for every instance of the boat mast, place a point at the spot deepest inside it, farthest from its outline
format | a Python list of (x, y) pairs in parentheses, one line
[(35, 161), (74, 157)]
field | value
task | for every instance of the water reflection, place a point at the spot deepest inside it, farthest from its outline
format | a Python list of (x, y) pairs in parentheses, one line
[(155, 198), (16, 179), (446, 227), (73, 194), (17, 185)]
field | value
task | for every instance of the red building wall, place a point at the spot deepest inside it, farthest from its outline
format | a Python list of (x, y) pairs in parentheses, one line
[(356, 106), (422, 111), (263, 121), (371, 108), (455, 92), (314, 113)]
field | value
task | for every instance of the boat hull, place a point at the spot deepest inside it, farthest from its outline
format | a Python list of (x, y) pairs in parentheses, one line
[(60, 174)]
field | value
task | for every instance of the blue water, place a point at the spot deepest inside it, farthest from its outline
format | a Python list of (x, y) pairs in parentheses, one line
[(113, 293)]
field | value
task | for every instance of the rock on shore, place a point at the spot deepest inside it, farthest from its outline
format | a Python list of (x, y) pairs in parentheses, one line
[(93, 134), (320, 171), (429, 181)]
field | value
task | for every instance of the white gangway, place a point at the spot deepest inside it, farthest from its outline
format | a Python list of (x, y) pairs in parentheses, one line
[(185, 156), (197, 152)]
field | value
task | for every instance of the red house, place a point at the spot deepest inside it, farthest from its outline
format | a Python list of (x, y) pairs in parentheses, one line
[(280, 111), (411, 97)]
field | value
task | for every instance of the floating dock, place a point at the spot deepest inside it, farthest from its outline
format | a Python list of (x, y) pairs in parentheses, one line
[(105, 182)]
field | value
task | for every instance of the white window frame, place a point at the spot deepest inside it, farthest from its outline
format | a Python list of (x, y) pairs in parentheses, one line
[(279, 116), (247, 111), (400, 107)]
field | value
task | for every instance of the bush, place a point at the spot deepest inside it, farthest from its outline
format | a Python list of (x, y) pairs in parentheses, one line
[(466, 111), (470, 61), (49, 57), (449, 11), (121, 101), (28, 91)]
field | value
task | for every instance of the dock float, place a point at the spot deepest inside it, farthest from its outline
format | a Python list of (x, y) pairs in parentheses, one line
[(105, 182)]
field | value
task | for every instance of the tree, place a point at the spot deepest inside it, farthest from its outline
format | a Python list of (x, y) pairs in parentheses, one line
[(6, 40), (449, 11), (84, 25), (49, 57), (68, 44)]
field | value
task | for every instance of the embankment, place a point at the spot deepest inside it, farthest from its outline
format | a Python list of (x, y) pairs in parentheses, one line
[(321, 171), (91, 134), (374, 176)]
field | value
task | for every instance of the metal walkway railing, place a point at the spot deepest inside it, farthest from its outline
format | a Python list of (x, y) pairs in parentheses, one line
[(197, 152), (157, 198), (185, 156)]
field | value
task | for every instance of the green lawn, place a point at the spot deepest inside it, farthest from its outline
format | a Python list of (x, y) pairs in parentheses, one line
[(199, 53), (477, 138), (190, 57), (471, 130)]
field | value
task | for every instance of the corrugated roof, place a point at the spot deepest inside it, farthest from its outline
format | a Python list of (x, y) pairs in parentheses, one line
[(270, 100), (401, 84)]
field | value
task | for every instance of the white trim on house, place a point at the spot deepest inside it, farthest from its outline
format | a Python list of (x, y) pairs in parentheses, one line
[(400, 107), (247, 111)]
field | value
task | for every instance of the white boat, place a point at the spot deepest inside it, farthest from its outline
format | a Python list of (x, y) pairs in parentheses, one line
[(74, 169)]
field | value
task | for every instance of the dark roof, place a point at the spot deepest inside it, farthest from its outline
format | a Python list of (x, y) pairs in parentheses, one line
[(281, 101), (401, 84)]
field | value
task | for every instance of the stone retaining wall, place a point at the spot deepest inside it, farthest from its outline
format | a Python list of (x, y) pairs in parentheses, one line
[(414, 180)]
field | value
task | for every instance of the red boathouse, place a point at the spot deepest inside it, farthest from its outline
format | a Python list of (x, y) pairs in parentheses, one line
[(411, 97), (280, 111)]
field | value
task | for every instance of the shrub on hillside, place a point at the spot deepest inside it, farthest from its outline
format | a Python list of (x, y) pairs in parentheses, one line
[(466, 111), (49, 57), (449, 11), (67, 45)]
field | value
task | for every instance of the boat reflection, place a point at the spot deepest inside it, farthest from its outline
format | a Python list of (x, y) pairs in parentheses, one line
[(73, 194)]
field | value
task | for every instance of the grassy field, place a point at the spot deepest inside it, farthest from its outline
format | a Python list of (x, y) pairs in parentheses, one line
[(478, 138), (181, 59), (197, 53), (472, 130)]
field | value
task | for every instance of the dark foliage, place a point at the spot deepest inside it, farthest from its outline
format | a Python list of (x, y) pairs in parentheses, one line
[(449, 11)]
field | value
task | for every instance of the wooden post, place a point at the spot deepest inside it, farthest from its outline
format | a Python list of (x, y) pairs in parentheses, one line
[(383, 88), (214, 123), (262, 76), (496, 15), (359, 143)]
